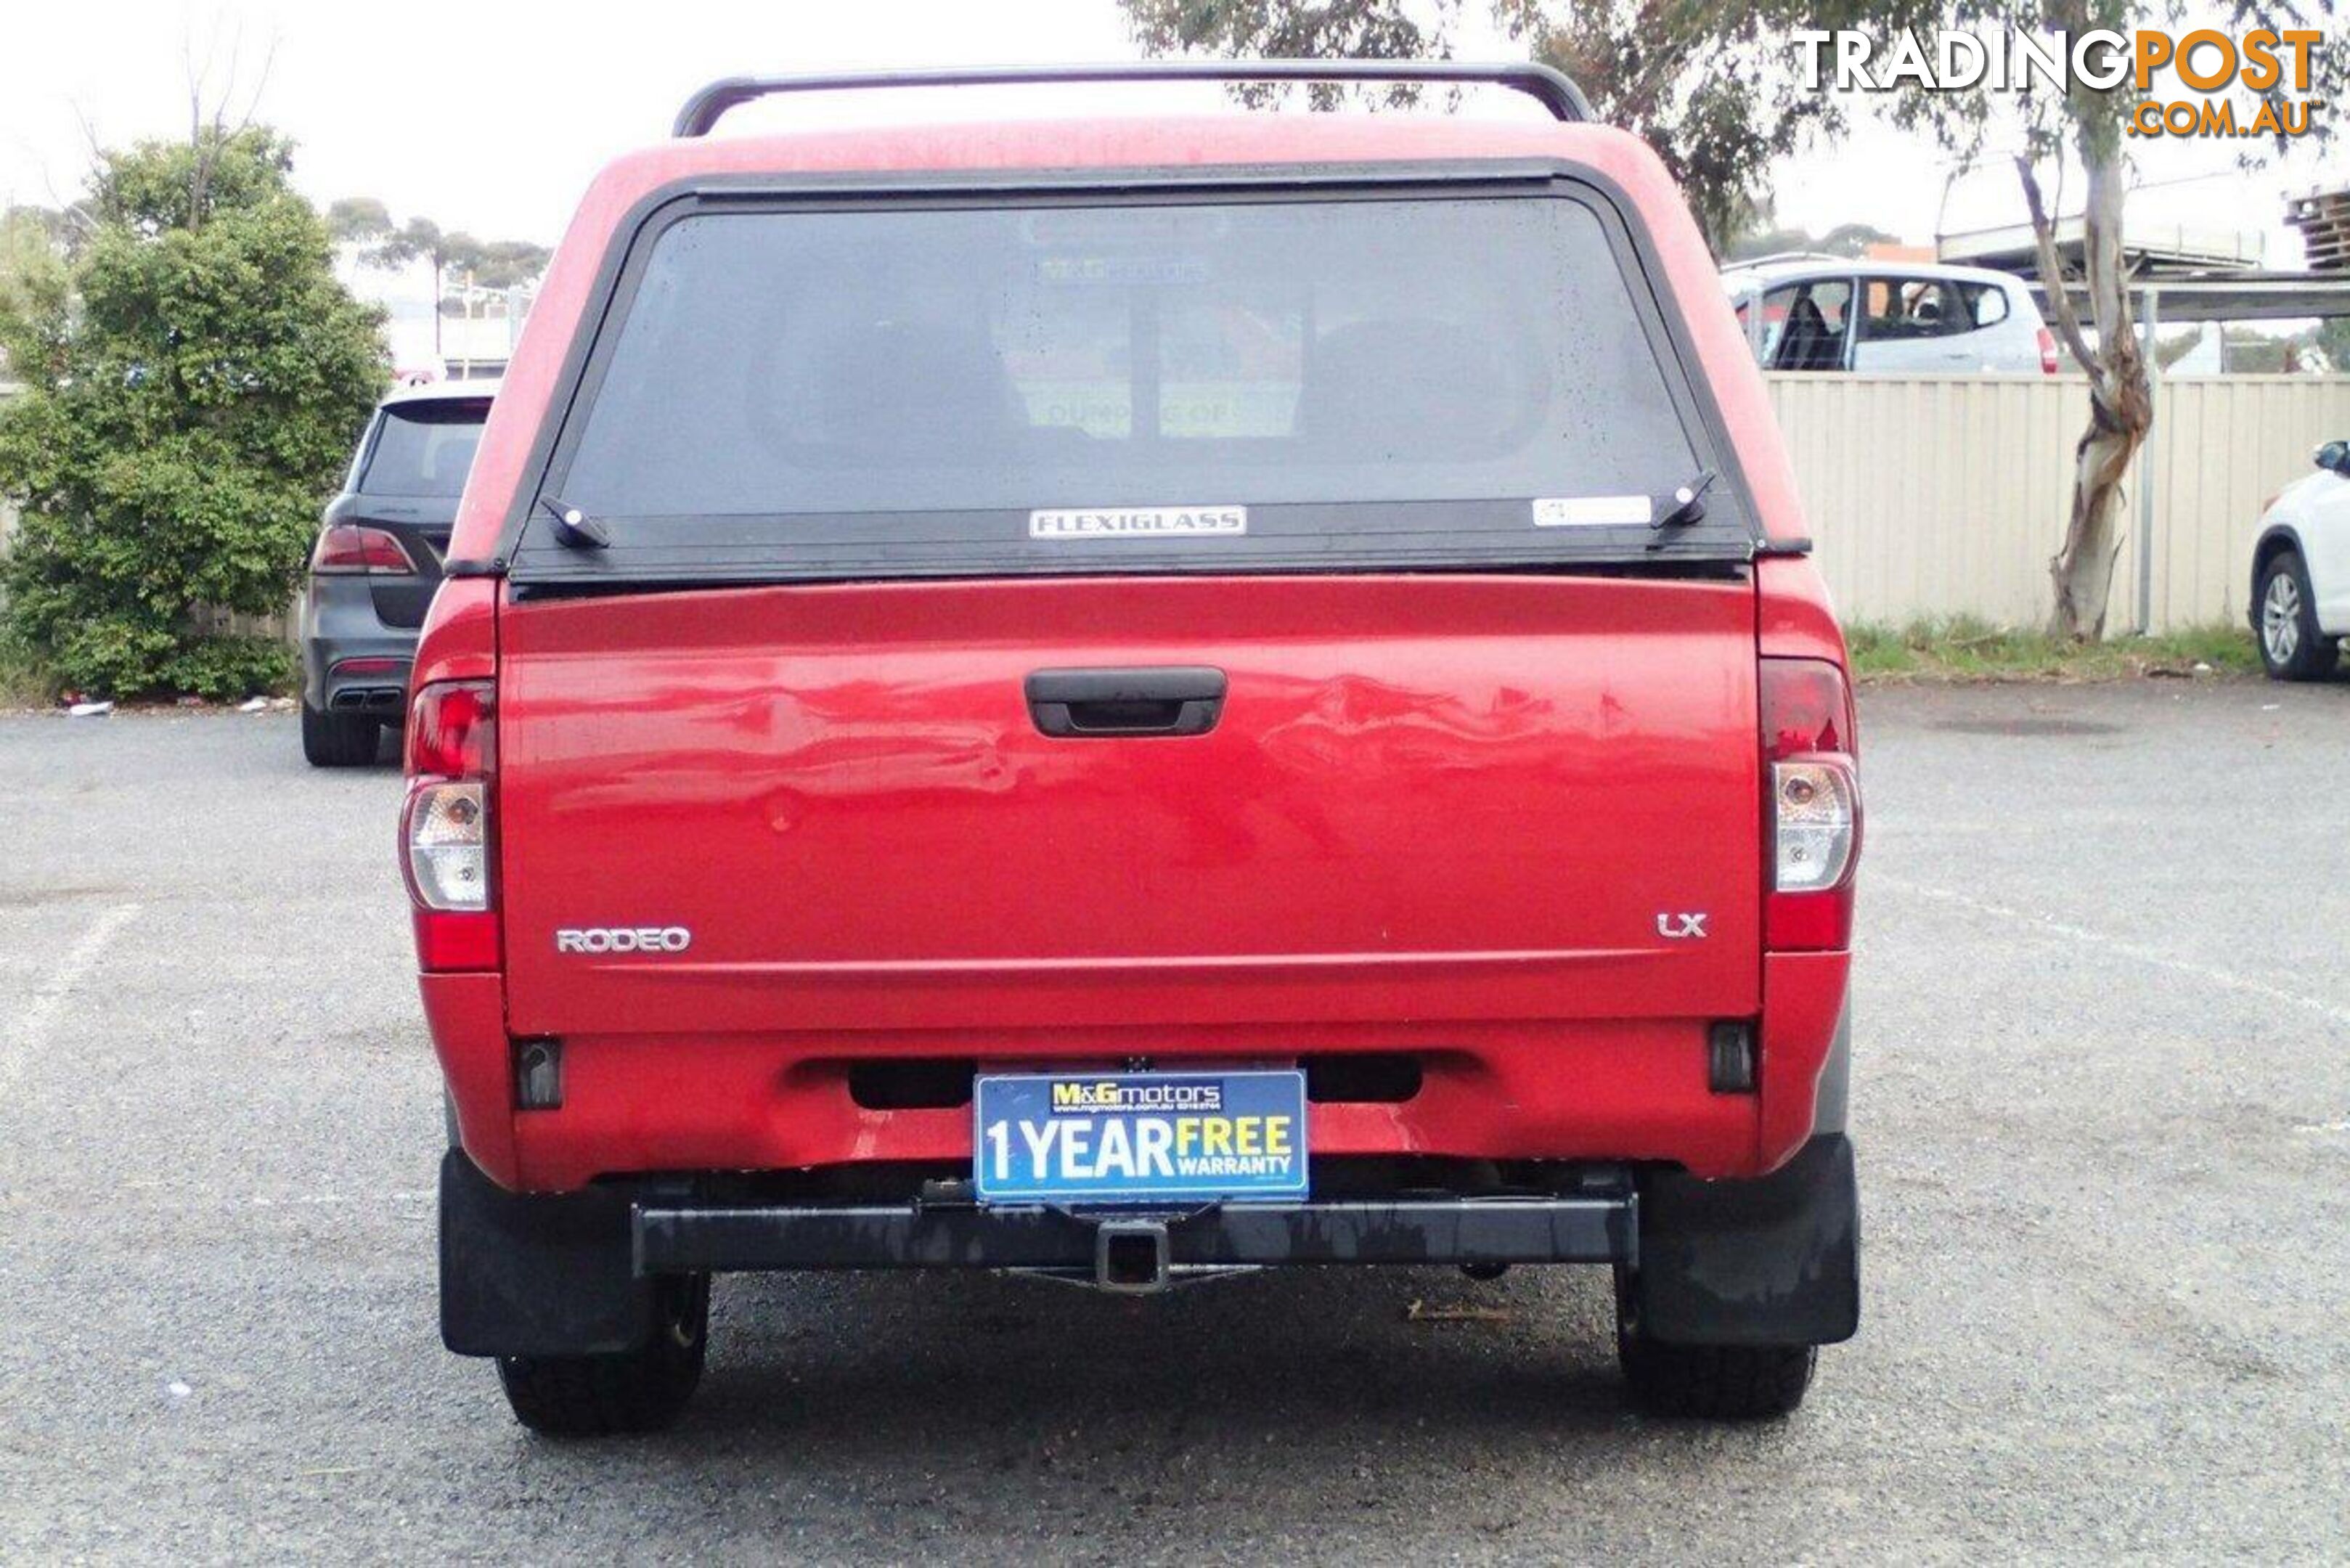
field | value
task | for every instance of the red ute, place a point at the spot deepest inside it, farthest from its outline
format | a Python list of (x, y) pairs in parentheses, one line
[(1129, 698)]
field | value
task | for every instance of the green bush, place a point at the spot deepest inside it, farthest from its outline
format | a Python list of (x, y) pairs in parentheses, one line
[(194, 375)]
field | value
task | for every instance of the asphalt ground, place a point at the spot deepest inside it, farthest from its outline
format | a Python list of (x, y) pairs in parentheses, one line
[(2102, 1101)]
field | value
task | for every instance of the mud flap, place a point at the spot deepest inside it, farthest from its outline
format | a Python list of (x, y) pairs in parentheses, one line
[(1774, 1260), (524, 1275)]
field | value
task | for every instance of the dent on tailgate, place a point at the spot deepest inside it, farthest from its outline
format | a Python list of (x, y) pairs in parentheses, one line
[(1478, 794)]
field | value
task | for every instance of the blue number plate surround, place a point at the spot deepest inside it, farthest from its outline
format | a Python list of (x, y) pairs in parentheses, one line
[(1139, 1138)]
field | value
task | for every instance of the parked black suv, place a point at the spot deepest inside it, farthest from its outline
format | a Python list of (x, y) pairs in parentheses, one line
[(376, 563)]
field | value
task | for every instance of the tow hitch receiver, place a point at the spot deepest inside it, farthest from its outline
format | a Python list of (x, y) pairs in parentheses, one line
[(1130, 1256), (1595, 1223)]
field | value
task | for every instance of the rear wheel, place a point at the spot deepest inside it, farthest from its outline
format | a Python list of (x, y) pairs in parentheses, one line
[(2291, 648), (1710, 1382), (641, 1390), (338, 740)]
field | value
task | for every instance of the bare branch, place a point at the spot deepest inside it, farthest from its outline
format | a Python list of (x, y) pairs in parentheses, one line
[(89, 134), (198, 172), (227, 94), (261, 82), (209, 130), (2051, 269)]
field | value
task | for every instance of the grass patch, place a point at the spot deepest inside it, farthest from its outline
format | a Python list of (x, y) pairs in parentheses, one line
[(1962, 648)]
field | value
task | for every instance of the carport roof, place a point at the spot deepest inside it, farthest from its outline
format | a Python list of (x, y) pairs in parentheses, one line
[(2237, 296)]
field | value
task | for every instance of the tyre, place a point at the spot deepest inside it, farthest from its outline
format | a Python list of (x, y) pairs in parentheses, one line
[(338, 740), (1710, 1382), (640, 1390), (2291, 648)]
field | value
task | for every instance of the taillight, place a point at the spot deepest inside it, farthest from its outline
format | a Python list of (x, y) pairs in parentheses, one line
[(2048, 361), (447, 847), (452, 730), (347, 548), (1809, 751)]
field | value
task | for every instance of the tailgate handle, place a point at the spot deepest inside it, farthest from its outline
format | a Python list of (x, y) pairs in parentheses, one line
[(1179, 699)]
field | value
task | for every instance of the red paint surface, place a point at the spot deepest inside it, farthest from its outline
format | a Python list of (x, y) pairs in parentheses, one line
[(1802, 996), (1432, 797), (467, 1015), (1612, 1089)]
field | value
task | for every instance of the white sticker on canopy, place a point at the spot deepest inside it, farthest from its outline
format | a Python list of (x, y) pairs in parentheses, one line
[(1593, 511), (1137, 522)]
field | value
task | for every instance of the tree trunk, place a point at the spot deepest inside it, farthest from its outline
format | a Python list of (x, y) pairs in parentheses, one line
[(2081, 572), (2121, 395)]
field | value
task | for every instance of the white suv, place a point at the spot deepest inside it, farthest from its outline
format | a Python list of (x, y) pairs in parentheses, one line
[(2301, 571), (1814, 312)]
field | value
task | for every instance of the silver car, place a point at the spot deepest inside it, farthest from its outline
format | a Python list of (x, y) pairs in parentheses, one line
[(1835, 313)]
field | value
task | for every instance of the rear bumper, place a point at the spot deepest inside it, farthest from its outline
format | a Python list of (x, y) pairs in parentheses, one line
[(1602, 1090), (1598, 1224), (340, 622), (574, 1273)]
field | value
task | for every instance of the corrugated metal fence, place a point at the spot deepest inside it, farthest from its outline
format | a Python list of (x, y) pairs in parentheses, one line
[(1933, 495)]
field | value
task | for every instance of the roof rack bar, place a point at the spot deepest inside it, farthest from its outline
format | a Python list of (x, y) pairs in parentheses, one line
[(1551, 87), (1774, 256)]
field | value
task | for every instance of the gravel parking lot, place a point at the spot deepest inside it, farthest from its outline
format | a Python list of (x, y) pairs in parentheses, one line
[(2102, 1102)]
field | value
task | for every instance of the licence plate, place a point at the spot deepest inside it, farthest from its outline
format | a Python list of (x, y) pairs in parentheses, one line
[(1138, 1138)]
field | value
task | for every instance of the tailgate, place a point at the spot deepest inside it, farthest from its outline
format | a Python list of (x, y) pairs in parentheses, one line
[(1423, 798)]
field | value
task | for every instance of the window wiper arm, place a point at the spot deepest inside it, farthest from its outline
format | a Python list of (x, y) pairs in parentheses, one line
[(574, 528), (1685, 504)]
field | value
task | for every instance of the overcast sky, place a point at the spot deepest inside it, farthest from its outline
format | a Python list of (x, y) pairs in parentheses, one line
[(491, 116)]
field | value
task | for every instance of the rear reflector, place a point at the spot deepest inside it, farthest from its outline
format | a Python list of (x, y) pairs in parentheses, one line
[(1808, 922), (448, 941), (369, 667)]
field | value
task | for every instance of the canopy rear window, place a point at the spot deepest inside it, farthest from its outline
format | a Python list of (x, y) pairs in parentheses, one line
[(425, 448), (901, 389)]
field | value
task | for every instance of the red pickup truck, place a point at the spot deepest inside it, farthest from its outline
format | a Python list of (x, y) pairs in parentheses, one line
[(1134, 699)]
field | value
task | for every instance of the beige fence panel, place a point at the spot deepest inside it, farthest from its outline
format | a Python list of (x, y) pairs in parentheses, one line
[(1935, 495), (2221, 448)]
